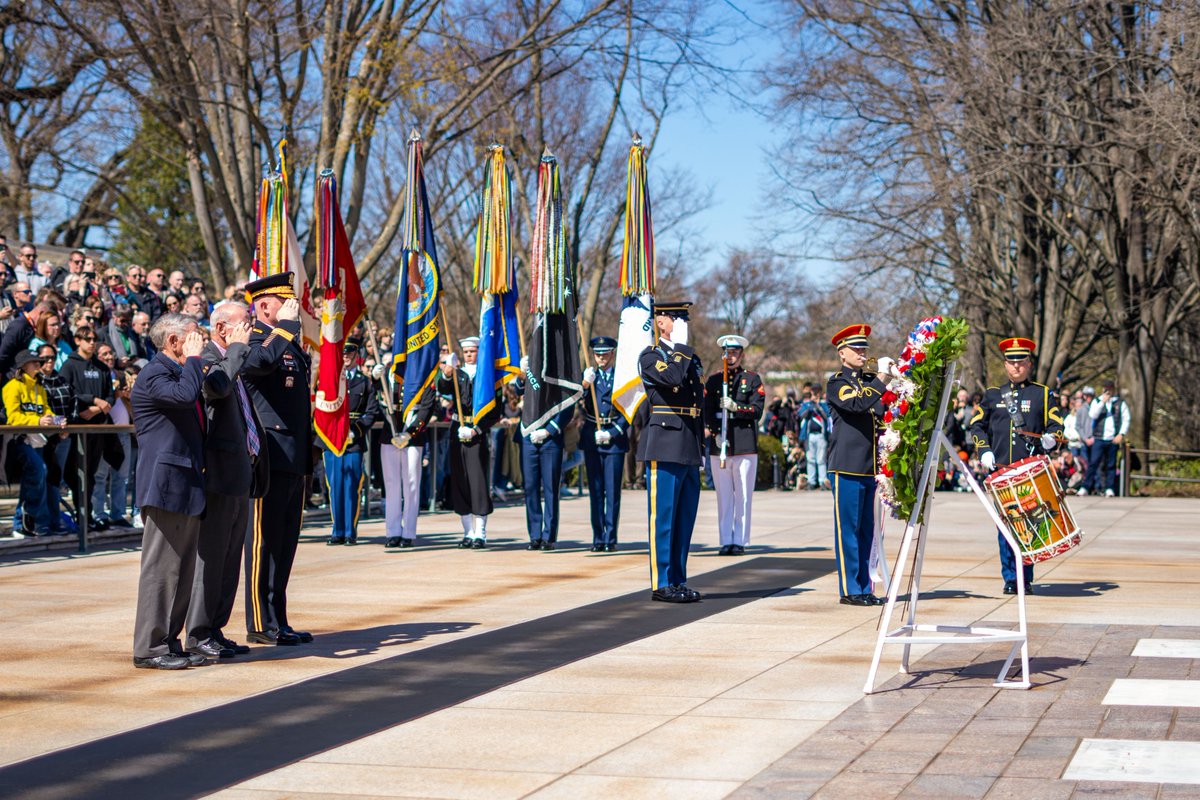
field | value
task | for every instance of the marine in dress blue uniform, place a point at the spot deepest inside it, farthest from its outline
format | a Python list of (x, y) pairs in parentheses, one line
[(344, 474), (1014, 421), (671, 448), (605, 442), (276, 374), (856, 403)]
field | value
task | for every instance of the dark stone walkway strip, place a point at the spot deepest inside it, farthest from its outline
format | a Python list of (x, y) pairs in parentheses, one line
[(220, 747)]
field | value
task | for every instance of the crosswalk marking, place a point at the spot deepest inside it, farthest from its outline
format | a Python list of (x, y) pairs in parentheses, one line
[(1132, 760), (1142, 692), (1167, 648)]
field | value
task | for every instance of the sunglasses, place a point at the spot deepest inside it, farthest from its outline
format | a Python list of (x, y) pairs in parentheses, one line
[(85, 338)]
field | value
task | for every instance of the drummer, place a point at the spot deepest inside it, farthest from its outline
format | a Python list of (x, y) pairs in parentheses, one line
[(1016, 420)]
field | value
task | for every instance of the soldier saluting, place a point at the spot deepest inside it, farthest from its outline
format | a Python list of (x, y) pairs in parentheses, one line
[(1015, 420), (733, 402), (671, 450)]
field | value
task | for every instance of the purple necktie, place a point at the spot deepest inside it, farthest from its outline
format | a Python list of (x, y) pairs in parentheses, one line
[(252, 443)]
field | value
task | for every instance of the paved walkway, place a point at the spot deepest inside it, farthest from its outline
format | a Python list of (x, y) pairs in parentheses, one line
[(505, 673)]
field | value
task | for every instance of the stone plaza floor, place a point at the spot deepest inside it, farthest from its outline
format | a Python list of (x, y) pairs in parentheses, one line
[(443, 673)]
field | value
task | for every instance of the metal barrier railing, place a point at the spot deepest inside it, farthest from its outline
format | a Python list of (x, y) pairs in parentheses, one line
[(1148, 458), (81, 449)]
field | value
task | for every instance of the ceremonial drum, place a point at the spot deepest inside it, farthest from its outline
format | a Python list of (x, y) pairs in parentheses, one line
[(1028, 495)]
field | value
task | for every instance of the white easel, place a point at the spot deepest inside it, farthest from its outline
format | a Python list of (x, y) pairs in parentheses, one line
[(911, 632)]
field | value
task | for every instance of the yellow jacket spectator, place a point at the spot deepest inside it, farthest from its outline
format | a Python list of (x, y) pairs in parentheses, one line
[(26, 403)]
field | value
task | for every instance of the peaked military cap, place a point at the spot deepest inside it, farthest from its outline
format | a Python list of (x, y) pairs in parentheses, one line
[(677, 309), (603, 344), (733, 340), (1017, 348), (851, 336), (278, 285)]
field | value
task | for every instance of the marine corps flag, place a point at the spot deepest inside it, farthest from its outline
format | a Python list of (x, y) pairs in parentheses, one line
[(495, 278), (277, 249), (636, 329), (415, 346), (341, 311), (553, 381)]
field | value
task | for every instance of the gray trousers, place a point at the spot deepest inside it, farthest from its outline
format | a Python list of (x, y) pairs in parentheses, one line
[(218, 565), (165, 583)]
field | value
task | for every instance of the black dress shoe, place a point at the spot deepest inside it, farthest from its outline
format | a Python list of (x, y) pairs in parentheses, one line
[(726, 550), (667, 594), (548, 545), (95, 524), (351, 542), (406, 542), (335, 540), (230, 644), (304, 636), (393, 542), (165, 661), (478, 544), (1010, 587), (873, 600), (465, 544), (854, 600), (536, 544), (610, 548), (597, 548), (266, 637), (691, 595), (212, 649), (195, 659), (120, 522), (737, 550)]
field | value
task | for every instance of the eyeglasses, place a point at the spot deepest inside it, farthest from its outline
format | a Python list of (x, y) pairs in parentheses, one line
[(76, 260)]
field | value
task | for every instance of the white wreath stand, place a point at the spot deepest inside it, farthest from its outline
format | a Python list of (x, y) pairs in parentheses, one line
[(911, 632)]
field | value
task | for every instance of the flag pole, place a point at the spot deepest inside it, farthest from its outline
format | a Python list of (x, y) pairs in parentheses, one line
[(449, 339)]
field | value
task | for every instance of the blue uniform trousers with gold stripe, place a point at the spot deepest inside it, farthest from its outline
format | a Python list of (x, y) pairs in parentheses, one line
[(854, 527), (344, 476), (674, 495)]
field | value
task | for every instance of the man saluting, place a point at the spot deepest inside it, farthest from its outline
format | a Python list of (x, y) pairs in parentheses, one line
[(670, 448)]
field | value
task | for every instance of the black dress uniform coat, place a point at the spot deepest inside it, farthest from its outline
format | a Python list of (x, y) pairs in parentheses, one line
[(277, 375), (1008, 409), (469, 463), (674, 398), (746, 389), (855, 400), (416, 425)]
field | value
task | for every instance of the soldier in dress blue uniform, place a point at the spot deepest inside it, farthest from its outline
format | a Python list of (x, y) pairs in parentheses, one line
[(276, 373), (671, 448), (856, 403), (1016, 420), (738, 403), (604, 442), (344, 473)]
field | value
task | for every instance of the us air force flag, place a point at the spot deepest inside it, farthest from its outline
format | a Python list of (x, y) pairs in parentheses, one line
[(499, 359), (554, 380), (634, 334)]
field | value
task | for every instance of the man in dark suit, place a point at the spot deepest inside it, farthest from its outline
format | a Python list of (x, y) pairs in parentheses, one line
[(18, 335), (276, 373), (670, 446), (344, 473), (169, 420), (234, 446)]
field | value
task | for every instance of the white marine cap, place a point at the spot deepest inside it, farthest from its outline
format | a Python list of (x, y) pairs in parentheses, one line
[(733, 340)]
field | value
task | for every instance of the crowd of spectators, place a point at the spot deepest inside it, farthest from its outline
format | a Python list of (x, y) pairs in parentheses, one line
[(73, 337)]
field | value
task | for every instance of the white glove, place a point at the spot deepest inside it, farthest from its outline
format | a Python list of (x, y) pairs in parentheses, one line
[(603, 437), (728, 404), (589, 375), (450, 360), (887, 368), (290, 310), (679, 332), (539, 436), (988, 461), (377, 372), (401, 439), (1048, 442), (466, 433), (524, 363)]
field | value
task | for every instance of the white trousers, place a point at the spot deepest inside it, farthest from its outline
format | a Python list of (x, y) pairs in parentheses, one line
[(735, 490), (402, 479)]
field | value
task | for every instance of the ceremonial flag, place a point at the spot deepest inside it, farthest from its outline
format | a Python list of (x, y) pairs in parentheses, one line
[(415, 345), (495, 279), (553, 379), (341, 311), (636, 330), (277, 249)]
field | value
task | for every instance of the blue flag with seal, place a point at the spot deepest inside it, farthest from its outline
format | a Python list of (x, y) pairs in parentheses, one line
[(415, 345), (499, 359)]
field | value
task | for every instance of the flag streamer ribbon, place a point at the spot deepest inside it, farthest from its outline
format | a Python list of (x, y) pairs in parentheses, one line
[(550, 278), (494, 267), (637, 256)]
